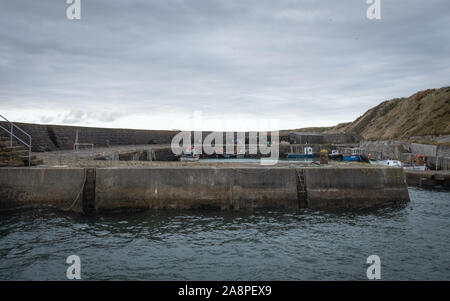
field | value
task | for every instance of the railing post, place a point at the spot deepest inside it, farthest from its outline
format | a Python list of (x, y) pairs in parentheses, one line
[(11, 135), (29, 154)]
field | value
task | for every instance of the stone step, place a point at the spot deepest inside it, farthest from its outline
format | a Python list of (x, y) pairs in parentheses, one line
[(13, 162), (5, 148), (34, 162), (37, 162), (6, 154), (23, 157), (9, 154), (20, 161), (20, 152), (15, 148), (7, 142)]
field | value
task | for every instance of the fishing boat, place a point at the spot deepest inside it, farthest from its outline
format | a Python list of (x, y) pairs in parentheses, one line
[(388, 162), (393, 163), (189, 155), (189, 158), (354, 156), (335, 155), (350, 157), (308, 153), (420, 163), (298, 156), (415, 167)]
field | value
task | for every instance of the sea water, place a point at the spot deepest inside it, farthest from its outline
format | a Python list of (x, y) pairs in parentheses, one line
[(412, 241)]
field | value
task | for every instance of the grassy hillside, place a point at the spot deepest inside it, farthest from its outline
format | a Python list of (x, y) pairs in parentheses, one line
[(424, 113), (310, 129)]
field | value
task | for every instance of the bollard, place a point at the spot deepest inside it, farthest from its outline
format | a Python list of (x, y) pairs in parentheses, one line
[(324, 156)]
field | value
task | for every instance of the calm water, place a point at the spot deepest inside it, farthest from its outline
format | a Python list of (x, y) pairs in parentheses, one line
[(412, 241)]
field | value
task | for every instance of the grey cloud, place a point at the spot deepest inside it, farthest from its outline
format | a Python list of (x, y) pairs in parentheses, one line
[(291, 58), (81, 116)]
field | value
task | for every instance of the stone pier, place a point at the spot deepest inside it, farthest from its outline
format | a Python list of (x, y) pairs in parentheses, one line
[(209, 187)]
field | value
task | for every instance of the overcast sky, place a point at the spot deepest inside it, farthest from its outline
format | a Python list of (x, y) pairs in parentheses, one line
[(240, 64)]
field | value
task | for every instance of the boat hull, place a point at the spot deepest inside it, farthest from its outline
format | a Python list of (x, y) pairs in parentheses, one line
[(189, 158), (299, 156), (350, 158)]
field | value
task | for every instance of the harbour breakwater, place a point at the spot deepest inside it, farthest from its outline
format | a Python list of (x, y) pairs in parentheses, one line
[(104, 189), (433, 179), (48, 137), (438, 156)]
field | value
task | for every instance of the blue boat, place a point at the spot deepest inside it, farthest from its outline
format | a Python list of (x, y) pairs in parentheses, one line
[(355, 156), (350, 158), (308, 153), (299, 156)]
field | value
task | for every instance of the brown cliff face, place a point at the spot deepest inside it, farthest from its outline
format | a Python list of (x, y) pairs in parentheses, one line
[(424, 113)]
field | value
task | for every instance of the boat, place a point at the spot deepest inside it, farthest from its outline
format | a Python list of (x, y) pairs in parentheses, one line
[(189, 155), (419, 163), (388, 162), (335, 155), (393, 163), (308, 153), (415, 167), (354, 156), (298, 156), (189, 158), (350, 158)]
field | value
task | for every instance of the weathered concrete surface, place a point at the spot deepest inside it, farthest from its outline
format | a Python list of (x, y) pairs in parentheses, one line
[(438, 155), (201, 187), (40, 187), (428, 179), (89, 158), (354, 187), (190, 188)]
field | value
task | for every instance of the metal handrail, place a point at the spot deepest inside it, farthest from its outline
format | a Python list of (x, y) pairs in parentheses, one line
[(11, 133), (76, 145)]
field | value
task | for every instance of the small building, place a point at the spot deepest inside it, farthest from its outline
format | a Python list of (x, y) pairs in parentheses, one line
[(306, 138)]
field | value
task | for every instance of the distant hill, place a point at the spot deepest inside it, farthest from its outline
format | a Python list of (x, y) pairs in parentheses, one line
[(426, 113), (310, 129)]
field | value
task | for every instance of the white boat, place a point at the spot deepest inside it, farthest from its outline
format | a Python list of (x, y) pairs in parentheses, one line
[(415, 167), (394, 163), (189, 158), (397, 163), (189, 155)]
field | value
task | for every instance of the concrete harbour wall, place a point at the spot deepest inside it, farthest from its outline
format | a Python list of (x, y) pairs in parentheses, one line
[(48, 137), (354, 187), (428, 179), (196, 188), (41, 187), (438, 155), (200, 188)]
